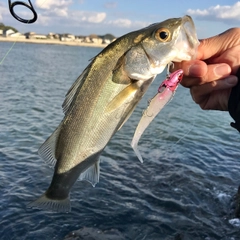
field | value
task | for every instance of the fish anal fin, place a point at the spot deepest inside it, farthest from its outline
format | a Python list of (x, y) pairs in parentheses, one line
[(91, 174), (47, 149)]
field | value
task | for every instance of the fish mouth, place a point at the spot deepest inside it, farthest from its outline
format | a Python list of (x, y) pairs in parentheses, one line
[(187, 41)]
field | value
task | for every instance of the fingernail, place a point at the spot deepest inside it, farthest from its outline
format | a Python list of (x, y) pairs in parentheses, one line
[(222, 70), (232, 80)]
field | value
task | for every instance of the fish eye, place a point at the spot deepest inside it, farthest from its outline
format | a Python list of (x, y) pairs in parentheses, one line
[(163, 34)]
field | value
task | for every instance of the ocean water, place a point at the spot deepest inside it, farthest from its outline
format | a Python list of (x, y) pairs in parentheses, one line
[(185, 187)]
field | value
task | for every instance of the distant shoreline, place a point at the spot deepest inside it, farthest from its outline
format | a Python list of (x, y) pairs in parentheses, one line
[(51, 41)]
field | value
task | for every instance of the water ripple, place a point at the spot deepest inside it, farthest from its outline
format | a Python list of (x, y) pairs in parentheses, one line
[(185, 187)]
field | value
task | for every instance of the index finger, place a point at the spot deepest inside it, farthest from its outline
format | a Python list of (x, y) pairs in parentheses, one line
[(193, 68), (197, 72)]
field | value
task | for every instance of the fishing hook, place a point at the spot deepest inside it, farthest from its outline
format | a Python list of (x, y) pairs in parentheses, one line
[(29, 6), (170, 65)]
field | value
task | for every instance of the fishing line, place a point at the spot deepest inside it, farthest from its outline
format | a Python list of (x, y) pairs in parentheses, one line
[(172, 132), (192, 125), (9, 50)]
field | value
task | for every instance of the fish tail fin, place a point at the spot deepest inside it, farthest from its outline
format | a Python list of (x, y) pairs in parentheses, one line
[(55, 205)]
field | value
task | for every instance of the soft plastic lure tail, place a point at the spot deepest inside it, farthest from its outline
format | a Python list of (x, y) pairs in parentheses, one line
[(165, 93)]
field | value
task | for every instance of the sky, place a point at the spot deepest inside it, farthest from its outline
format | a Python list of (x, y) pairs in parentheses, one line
[(118, 17)]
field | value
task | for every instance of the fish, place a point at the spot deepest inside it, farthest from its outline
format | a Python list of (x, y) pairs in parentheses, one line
[(102, 99), (165, 93)]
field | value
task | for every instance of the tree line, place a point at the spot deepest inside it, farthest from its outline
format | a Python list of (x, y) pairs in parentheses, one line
[(3, 27)]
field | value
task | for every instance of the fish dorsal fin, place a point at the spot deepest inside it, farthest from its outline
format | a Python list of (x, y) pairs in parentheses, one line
[(91, 174), (47, 149), (72, 91)]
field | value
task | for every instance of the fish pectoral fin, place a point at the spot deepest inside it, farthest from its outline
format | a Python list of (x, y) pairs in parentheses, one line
[(91, 174), (125, 96), (47, 149), (128, 116)]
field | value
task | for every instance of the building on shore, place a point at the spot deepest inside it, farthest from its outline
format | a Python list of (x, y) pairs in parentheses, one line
[(17, 35), (67, 37), (33, 35), (11, 33), (8, 32)]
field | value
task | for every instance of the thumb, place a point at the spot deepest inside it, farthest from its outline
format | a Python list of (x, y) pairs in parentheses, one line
[(214, 46)]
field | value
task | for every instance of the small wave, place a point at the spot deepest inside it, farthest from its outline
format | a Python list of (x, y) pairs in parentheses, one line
[(222, 196), (235, 222)]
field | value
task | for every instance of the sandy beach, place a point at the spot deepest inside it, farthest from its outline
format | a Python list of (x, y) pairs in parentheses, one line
[(51, 41)]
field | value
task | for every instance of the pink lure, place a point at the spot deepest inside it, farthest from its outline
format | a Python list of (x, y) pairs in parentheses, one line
[(165, 93)]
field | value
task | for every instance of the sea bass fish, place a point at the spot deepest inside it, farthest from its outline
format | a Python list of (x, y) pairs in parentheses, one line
[(165, 93), (102, 99)]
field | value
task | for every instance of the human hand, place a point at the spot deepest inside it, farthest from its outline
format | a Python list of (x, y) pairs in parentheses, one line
[(211, 76)]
